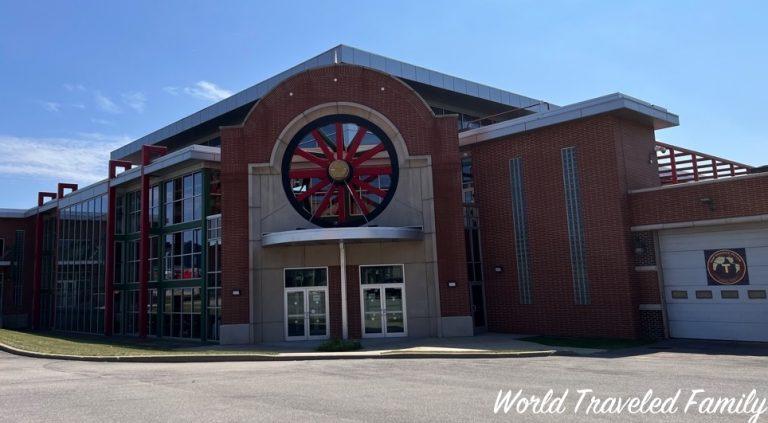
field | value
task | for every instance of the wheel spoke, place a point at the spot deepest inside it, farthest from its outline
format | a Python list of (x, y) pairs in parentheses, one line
[(311, 157), (324, 204), (368, 154), (374, 171), (368, 187), (355, 143), (339, 140), (307, 173), (322, 142), (341, 204), (315, 188), (359, 201)]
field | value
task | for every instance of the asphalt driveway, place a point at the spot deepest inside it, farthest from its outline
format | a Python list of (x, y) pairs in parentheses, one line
[(370, 390)]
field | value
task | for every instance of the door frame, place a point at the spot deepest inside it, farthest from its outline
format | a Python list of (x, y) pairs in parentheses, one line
[(305, 290), (483, 328), (382, 287)]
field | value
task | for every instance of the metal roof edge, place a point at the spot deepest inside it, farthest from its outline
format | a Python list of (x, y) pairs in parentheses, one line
[(192, 152), (338, 54), (13, 213), (605, 104)]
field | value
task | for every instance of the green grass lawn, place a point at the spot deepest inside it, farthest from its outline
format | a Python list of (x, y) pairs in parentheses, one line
[(595, 343), (57, 343)]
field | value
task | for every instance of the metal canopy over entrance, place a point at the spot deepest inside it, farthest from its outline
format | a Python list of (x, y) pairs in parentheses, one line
[(333, 235), (343, 236)]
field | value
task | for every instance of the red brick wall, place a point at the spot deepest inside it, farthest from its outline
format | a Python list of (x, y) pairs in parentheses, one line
[(8, 229), (605, 154), (732, 197), (424, 134), (648, 287), (353, 303)]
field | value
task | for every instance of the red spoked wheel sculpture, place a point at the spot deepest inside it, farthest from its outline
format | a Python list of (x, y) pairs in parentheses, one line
[(340, 170)]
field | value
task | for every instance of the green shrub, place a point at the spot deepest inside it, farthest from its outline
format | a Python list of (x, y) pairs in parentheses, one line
[(339, 345)]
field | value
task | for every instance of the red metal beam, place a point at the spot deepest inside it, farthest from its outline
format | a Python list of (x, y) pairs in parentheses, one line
[(679, 165), (62, 186), (148, 152), (37, 274), (109, 259)]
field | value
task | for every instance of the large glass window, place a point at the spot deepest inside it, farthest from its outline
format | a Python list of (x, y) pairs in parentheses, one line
[(181, 313), (184, 199), (133, 206), (183, 255), (295, 278), (381, 274), (213, 281), (79, 286)]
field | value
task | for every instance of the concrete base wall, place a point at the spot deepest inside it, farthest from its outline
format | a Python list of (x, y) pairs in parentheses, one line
[(457, 326), (235, 334)]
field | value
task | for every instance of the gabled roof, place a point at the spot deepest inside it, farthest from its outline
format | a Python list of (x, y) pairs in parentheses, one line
[(233, 106)]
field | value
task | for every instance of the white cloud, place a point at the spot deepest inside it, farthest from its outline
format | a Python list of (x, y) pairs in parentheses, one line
[(80, 106), (135, 100), (51, 106), (172, 90), (102, 121), (82, 159), (105, 103), (74, 87), (208, 91)]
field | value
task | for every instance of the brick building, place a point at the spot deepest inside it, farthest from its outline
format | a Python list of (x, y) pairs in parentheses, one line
[(358, 196)]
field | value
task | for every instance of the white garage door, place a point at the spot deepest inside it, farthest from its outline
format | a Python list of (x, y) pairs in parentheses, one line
[(702, 308)]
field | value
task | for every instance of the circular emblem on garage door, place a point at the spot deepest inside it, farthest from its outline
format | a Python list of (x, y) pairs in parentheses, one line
[(727, 267), (340, 170)]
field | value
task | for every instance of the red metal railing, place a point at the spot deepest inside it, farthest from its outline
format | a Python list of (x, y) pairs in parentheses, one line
[(678, 165)]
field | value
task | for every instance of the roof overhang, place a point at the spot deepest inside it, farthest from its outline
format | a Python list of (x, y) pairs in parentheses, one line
[(193, 153), (337, 55), (618, 103), (12, 213), (334, 235)]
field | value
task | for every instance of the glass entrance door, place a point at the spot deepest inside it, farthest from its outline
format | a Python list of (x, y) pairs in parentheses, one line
[(306, 303), (382, 301), (383, 311), (306, 313)]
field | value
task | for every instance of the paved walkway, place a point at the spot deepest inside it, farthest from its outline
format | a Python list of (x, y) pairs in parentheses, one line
[(491, 343), (481, 346)]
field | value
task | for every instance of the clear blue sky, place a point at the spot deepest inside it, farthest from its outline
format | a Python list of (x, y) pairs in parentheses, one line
[(79, 78)]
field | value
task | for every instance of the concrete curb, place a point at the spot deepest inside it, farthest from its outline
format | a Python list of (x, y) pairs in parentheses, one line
[(217, 358)]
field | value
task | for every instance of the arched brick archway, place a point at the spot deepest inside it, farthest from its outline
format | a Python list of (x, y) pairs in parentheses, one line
[(375, 96)]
